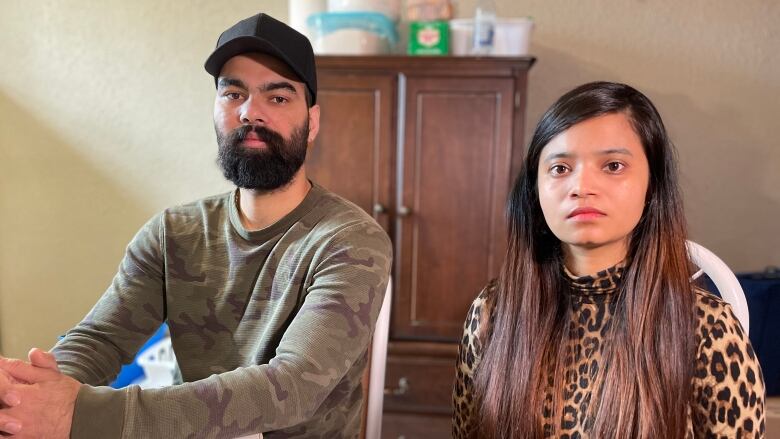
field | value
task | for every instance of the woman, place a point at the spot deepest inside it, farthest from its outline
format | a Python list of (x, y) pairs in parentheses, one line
[(593, 328)]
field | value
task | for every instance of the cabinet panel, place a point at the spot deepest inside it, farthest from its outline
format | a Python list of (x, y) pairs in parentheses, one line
[(418, 384), (353, 153), (407, 426), (455, 179)]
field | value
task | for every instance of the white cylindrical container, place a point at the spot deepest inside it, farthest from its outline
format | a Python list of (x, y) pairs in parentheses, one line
[(352, 33), (461, 34), (513, 36), (484, 33), (390, 8), (299, 12)]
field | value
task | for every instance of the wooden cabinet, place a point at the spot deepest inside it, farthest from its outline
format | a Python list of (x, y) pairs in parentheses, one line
[(429, 146)]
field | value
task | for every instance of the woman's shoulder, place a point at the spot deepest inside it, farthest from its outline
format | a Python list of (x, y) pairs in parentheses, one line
[(479, 317), (486, 297), (720, 337), (715, 318), (714, 312), (705, 298), (482, 308)]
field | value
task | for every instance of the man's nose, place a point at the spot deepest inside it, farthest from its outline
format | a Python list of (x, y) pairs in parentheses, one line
[(253, 112)]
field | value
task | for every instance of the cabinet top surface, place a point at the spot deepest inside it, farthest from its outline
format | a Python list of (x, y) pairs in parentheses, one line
[(509, 65)]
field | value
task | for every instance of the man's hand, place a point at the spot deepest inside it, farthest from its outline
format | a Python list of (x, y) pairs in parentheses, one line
[(41, 358), (9, 398), (47, 402)]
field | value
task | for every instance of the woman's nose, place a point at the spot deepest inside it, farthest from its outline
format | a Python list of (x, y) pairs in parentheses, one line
[(583, 183)]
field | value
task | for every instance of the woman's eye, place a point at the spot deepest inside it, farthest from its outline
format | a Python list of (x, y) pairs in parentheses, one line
[(615, 167), (558, 169)]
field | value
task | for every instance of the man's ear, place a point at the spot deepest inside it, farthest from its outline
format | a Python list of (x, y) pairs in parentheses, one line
[(314, 122)]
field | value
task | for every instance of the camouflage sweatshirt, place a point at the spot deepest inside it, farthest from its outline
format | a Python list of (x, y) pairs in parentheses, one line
[(270, 327)]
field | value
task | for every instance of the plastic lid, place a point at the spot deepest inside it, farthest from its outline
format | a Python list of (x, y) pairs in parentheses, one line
[(328, 22)]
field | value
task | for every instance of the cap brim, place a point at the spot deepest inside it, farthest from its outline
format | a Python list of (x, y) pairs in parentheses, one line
[(247, 44)]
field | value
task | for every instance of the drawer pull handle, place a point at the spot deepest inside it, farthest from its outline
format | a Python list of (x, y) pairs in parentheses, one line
[(379, 208), (402, 389)]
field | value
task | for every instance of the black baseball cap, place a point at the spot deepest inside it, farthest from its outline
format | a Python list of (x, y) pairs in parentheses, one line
[(265, 34)]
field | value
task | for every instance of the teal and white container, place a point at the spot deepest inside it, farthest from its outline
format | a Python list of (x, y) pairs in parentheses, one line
[(352, 33)]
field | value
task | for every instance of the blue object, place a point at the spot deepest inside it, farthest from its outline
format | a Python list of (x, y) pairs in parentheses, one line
[(131, 373), (328, 22), (762, 292)]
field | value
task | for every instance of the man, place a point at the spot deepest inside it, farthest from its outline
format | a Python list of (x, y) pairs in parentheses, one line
[(270, 292)]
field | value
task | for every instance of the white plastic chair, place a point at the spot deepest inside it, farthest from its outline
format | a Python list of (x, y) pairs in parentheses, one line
[(159, 364), (376, 377), (723, 278)]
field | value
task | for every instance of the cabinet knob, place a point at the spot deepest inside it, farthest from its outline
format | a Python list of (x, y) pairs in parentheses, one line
[(379, 208), (402, 389), (404, 211)]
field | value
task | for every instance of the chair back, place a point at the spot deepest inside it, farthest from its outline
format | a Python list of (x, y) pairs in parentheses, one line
[(723, 278), (376, 376)]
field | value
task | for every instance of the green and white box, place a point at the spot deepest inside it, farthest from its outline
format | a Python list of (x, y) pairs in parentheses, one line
[(429, 38)]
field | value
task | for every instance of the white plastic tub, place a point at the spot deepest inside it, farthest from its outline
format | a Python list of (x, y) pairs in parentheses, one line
[(512, 37), (390, 8), (352, 33)]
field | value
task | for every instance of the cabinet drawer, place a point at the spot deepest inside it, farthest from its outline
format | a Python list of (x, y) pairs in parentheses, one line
[(419, 384), (407, 426)]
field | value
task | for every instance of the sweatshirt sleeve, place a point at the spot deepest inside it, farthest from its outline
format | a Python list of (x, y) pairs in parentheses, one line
[(329, 333), (728, 390), (127, 314)]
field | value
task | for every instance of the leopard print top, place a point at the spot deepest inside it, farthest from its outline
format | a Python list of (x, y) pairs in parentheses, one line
[(728, 388)]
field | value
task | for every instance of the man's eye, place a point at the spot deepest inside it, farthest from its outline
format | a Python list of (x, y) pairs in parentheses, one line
[(615, 167), (278, 99), (232, 95)]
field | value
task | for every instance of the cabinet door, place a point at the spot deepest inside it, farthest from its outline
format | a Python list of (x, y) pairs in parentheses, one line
[(450, 232), (352, 155), (414, 426)]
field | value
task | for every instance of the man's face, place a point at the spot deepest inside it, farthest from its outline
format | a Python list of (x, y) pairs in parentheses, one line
[(262, 122)]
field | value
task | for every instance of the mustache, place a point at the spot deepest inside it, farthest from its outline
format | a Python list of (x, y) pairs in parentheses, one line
[(267, 135)]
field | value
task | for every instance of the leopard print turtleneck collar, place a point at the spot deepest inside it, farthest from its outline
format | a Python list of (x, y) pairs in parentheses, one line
[(603, 285)]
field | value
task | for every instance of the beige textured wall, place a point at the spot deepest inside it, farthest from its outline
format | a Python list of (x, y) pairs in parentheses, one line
[(105, 118), (712, 67)]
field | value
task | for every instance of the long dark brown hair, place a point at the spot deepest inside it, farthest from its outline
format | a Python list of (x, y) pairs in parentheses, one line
[(648, 360)]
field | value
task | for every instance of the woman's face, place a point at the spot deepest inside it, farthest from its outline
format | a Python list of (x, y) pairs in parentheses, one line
[(592, 183)]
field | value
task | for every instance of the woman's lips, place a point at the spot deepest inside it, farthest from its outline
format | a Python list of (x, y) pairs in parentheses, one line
[(585, 213)]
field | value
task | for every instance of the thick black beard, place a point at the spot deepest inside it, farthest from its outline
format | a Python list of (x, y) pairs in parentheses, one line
[(266, 169)]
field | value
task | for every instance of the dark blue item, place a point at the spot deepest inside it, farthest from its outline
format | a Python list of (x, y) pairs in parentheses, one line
[(132, 372), (762, 292), (763, 296)]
